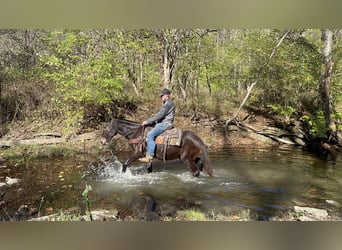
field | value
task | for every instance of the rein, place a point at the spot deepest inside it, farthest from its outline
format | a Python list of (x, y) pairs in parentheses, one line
[(138, 140)]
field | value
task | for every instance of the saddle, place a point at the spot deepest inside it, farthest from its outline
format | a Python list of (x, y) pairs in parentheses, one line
[(170, 137)]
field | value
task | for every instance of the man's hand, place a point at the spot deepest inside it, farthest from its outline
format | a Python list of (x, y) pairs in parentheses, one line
[(144, 123)]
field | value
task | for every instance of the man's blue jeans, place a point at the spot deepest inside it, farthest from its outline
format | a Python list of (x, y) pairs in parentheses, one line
[(151, 136)]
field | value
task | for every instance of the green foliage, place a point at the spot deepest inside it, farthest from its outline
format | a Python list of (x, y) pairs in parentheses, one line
[(191, 215), (317, 124), (64, 72), (336, 80), (62, 216), (80, 79), (286, 111), (337, 117), (293, 73), (87, 189)]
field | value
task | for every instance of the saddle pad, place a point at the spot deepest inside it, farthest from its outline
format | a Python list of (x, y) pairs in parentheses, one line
[(170, 137)]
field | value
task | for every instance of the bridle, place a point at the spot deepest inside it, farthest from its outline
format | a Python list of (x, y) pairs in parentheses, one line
[(138, 140)]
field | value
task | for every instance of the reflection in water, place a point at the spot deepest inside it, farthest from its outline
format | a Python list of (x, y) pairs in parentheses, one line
[(265, 181)]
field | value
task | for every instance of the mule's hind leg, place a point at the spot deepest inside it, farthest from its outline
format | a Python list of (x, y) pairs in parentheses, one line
[(193, 167), (199, 163), (149, 168)]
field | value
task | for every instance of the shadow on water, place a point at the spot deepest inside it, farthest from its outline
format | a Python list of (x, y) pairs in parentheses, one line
[(266, 182)]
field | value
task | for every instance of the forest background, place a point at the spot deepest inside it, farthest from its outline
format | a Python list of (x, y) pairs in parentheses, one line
[(79, 77)]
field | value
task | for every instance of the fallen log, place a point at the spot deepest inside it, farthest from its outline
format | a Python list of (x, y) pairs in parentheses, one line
[(278, 139), (45, 141), (49, 134), (273, 136), (12, 143)]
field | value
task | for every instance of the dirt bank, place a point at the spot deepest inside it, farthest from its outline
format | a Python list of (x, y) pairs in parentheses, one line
[(32, 133), (253, 130)]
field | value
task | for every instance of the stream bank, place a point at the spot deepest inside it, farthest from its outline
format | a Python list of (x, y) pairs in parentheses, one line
[(252, 129), (141, 206)]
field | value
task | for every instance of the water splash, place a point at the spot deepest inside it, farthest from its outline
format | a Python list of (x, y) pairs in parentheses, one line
[(109, 169)]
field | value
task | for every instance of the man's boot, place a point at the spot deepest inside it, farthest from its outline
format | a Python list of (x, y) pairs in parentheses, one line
[(146, 159)]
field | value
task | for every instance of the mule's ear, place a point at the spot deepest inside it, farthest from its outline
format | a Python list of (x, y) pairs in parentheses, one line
[(110, 116)]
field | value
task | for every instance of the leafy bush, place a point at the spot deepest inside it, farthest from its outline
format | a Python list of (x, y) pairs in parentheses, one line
[(80, 80), (286, 111), (317, 124)]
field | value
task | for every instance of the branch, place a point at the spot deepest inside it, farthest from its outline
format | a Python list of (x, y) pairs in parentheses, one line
[(250, 87)]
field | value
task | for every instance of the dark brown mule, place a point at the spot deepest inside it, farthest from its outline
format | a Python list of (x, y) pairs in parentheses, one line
[(189, 150)]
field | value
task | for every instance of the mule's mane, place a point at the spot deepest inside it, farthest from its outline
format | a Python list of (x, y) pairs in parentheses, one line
[(128, 122)]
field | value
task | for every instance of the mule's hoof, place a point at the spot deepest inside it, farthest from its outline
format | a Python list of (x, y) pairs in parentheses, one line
[(196, 174)]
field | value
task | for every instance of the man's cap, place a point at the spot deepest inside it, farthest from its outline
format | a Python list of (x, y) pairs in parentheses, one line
[(165, 92)]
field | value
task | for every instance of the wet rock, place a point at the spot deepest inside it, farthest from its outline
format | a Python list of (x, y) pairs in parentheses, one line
[(299, 141), (71, 210), (333, 203), (125, 214), (50, 217), (306, 218), (102, 215), (11, 181), (143, 204), (166, 210), (23, 213), (149, 216), (143, 208), (310, 214)]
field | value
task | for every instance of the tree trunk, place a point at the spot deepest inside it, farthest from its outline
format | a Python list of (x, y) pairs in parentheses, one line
[(171, 40), (327, 39), (166, 67)]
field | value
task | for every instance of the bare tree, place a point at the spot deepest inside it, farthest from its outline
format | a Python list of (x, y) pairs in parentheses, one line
[(171, 41), (251, 86), (325, 84)]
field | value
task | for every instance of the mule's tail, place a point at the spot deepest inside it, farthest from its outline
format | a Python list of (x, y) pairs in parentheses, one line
[(207, 163)]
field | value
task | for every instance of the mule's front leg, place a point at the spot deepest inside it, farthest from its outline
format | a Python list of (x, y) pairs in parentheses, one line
[(193, 168), (134, 157), (124, 166)]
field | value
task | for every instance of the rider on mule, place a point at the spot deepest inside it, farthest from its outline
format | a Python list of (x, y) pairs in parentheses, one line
[(163, 119)]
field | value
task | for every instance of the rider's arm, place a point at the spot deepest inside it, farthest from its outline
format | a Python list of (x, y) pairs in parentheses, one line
[(167, 106)]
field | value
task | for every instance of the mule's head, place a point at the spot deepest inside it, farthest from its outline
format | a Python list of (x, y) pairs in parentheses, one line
[(109, 132)]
